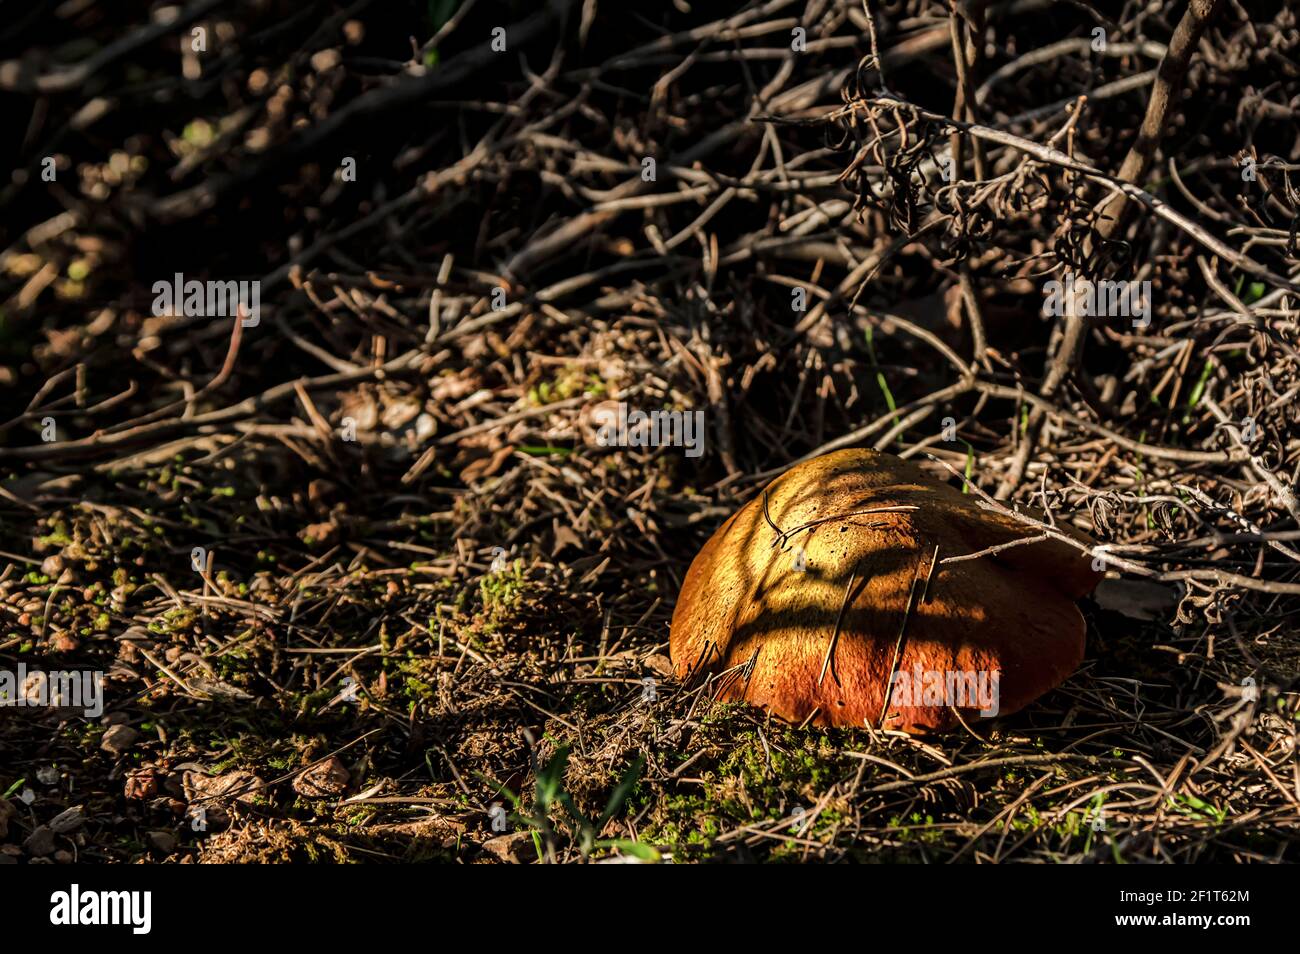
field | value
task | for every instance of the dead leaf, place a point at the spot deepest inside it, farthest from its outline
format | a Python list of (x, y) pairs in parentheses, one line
[(327, 780), (513, 849)]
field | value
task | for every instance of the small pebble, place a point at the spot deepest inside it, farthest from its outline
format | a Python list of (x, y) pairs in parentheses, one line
[(163, 841), (118, 739), (70, 819), (40, 842)]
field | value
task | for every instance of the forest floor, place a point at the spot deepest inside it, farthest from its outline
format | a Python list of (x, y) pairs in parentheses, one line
[(360, 581)]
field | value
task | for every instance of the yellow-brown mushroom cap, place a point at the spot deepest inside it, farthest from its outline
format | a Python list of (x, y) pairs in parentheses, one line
[(748, 612)]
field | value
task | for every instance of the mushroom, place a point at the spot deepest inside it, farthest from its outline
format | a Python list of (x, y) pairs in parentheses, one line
[(856, 590)]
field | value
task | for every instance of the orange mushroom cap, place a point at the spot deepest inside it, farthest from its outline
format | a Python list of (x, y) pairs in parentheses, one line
[(827, 599)]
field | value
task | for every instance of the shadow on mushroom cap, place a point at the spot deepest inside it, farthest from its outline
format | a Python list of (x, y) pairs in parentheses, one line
[(797, 602)]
